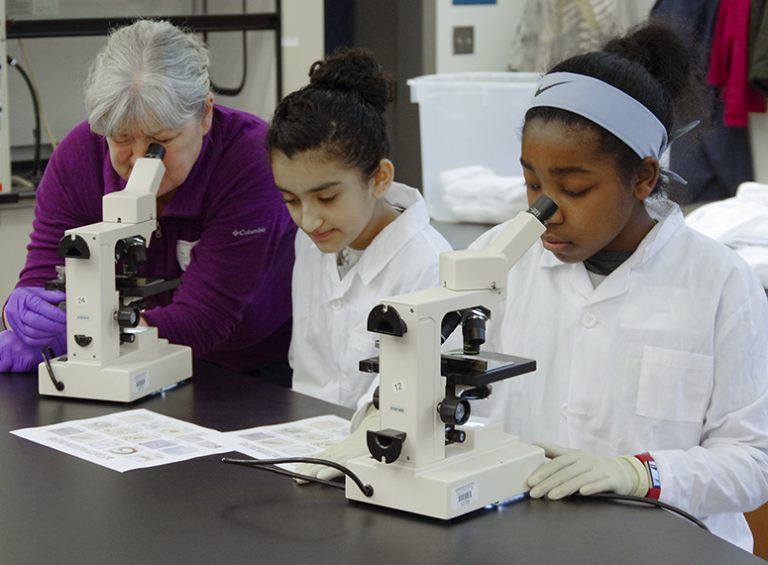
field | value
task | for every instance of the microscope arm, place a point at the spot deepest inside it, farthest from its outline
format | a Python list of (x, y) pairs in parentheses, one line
[(137, 202), (487, 268)]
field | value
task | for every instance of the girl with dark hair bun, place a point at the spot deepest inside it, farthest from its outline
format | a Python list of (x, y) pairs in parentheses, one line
[(362, 236), (651, 340)]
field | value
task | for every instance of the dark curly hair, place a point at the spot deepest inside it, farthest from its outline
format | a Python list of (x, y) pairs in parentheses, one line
[(340, 111), (655, 65)]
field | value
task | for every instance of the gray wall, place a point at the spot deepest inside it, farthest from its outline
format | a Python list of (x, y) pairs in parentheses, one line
[(398, 32)]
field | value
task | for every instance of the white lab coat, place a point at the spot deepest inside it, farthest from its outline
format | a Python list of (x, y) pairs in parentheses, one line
[(330, 314), (667, 355)]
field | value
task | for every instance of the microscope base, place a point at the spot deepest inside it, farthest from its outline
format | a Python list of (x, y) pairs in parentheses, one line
[(467, 479), (153, 365)]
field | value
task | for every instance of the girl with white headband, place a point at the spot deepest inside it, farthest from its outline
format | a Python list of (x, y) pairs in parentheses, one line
[(650, 339)]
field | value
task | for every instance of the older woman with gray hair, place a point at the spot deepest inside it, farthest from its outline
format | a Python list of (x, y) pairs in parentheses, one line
[(222, 226)]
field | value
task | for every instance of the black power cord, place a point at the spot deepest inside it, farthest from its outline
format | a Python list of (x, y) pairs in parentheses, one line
[(36, 105), (612, 496), (270, 465)]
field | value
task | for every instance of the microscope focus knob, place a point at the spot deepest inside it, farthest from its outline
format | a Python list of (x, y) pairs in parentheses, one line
[(128, 317), (454, 411)]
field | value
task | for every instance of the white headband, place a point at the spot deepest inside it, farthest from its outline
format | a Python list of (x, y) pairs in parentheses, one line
[(607, 106)]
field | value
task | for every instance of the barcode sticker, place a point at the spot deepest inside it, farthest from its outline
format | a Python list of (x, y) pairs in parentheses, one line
[(464, 495), (140, 381)]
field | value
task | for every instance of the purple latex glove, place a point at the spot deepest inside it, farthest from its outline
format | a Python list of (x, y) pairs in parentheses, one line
[(18, 357), (34, 316)]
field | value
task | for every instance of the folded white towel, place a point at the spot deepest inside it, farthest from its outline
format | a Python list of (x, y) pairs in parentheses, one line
[(741, 223), (737, 220), (477, 194)]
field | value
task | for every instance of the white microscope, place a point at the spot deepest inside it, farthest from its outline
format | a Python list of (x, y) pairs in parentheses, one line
[(423, 459), (109, 356)]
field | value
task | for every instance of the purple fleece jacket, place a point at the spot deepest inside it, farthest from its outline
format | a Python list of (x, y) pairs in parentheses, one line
[(233, 306)]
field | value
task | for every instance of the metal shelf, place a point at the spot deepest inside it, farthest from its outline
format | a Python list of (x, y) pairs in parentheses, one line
[(82, 27)]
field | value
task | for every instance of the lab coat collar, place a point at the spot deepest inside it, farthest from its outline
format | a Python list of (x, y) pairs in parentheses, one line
[(387, 244), (669, 220)]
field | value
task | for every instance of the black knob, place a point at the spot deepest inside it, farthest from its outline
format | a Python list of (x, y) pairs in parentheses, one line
[(454, 411), (83, 340), (125, 337), (128, 317), (385, 445)]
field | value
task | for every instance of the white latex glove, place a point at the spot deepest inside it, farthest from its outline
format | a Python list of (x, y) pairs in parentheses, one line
[(574, 470), (353, 446)]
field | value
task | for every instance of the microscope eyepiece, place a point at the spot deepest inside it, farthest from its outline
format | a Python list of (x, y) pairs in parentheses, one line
[(155, 151), (543, 208)]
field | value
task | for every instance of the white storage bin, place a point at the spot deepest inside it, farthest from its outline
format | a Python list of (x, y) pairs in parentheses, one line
[(470, 125)]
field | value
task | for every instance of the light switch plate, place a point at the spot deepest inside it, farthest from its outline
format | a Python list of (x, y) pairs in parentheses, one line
[(463, 40)]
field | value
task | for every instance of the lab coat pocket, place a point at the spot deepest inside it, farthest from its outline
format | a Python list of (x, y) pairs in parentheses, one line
[(674, 385), (184, 252)]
